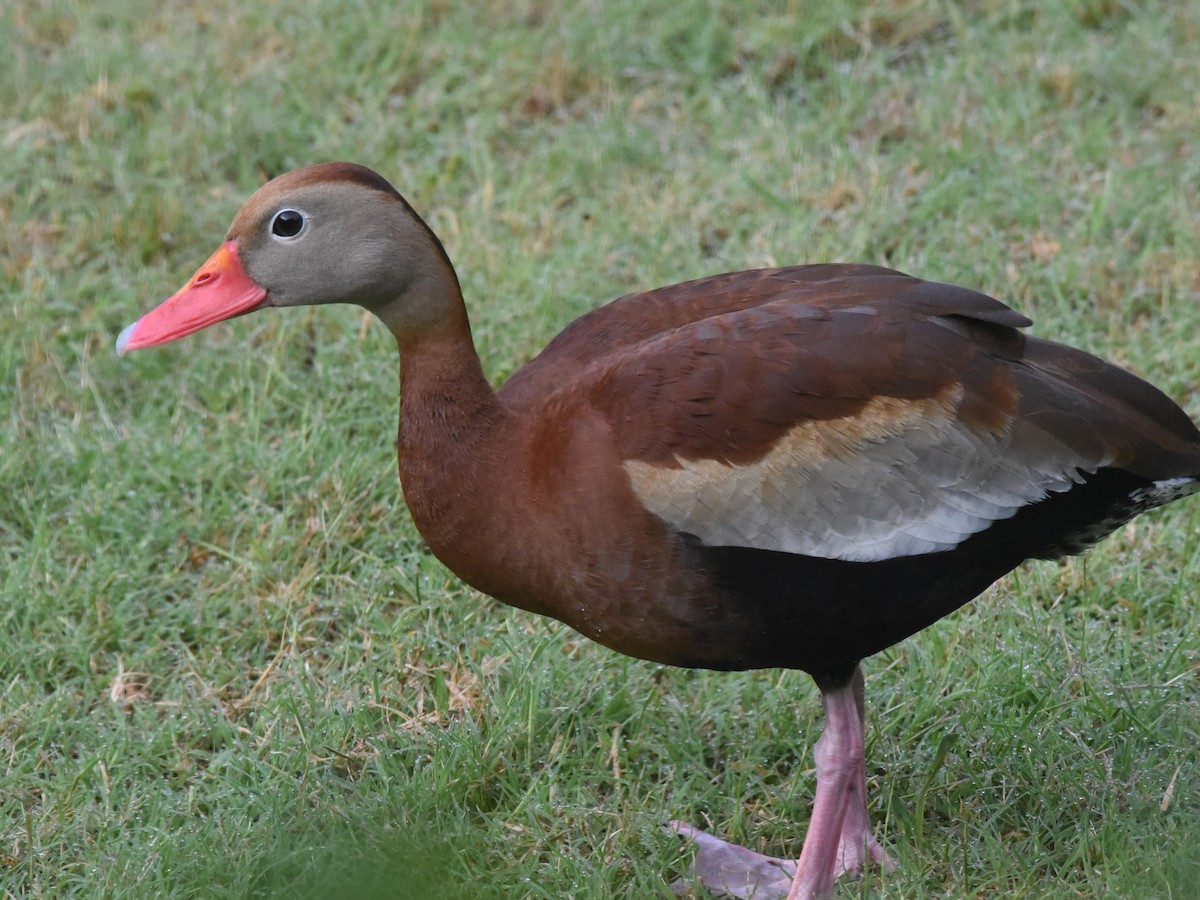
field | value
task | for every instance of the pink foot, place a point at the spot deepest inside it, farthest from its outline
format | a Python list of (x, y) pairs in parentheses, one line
[(857, 845), (730, 870), (852, 859), (839, 839)]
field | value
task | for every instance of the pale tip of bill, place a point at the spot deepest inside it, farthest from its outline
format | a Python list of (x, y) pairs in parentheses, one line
[(123, 338)]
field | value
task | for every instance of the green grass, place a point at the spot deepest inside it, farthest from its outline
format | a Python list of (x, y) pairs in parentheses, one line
[(228, 666)]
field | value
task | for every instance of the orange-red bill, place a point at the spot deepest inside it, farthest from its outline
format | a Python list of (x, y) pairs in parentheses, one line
[(219, 290)]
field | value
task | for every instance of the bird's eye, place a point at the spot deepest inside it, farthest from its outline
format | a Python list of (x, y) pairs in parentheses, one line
[(288, 223)]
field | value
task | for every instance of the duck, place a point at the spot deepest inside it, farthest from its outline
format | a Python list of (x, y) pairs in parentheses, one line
[(780, 468)]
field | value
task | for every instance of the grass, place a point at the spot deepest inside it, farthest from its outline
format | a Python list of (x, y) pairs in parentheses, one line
[(228, 666)]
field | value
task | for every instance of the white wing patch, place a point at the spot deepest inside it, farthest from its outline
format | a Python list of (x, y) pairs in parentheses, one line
[(900, 478)]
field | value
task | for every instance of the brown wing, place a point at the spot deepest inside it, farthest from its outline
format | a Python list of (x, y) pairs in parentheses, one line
[(629, 323), (850, 412)]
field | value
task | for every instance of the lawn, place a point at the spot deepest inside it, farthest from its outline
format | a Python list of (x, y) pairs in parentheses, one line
[(230, 668)]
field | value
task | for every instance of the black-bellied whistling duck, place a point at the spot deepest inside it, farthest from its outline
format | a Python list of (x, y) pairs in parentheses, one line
[(788, 467)]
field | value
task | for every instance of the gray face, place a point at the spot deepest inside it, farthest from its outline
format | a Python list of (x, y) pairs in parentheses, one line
[(326, 235), (332, 242)]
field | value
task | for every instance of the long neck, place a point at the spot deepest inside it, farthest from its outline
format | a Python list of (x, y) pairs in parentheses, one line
[(452, 430)]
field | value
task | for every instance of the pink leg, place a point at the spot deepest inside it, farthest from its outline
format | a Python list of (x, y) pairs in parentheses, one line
[(858, 844), (839, 835)]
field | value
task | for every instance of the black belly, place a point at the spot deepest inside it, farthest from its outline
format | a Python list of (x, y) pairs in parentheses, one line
[(824, 615)]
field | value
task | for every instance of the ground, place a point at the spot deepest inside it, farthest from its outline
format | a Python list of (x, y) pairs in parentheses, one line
[(230, 668)]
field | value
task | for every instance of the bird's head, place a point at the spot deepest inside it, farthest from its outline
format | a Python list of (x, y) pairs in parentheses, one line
[(329, 233)]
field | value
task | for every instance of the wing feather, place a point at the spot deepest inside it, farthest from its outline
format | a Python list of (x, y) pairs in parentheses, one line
[(848, 413)]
